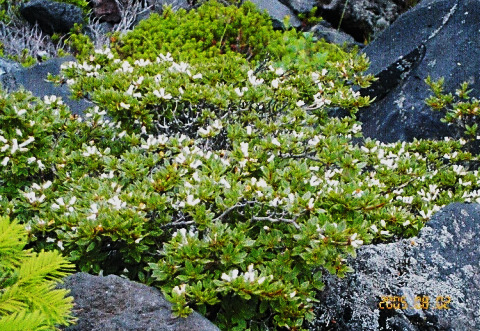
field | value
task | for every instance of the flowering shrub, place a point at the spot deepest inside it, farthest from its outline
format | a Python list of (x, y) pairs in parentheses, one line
[(225, 181), (460, 110)]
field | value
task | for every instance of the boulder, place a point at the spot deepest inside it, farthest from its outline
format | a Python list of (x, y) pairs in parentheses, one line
[(106, 10), (52, 16), (34, 80), (420, 44), (363, 19), (300, 6), (440, 265), (114, 303), (277, 12), (7, 67), (324, 30)]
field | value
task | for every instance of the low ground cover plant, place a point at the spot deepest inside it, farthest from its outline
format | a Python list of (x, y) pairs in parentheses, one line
[(218, 173)]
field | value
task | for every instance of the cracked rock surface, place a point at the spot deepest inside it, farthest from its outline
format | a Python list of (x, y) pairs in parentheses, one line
[(448, 30), (441, 264)]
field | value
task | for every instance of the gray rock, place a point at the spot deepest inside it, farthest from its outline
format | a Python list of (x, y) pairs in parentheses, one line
[(34, 80), (106, 10), (334, 36), (363, 19), (300, 6), (7, 67), (114, 303), (441, 263), (52, 16), (277, 12), (402, 113)]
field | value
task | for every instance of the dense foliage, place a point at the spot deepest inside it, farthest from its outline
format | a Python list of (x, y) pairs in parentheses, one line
[(229, 177), (28, 300)]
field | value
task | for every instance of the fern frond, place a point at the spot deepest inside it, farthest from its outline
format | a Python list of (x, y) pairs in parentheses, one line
[(12, 240), (46, 265), (52, 302), (24, 321), (28, 298)]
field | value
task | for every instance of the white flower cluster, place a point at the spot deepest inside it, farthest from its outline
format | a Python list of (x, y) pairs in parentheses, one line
[(253, 79), (244, 147), (180, 290), (153, 142), (60, 204), (14, 147), (184, 235), (249, 276), (211, 130)]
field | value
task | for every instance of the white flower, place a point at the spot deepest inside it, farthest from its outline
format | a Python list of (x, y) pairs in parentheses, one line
[(205, 132), (5, 161), (40, 165), (21, 112), (253, 80), (314, 141), (291, 295), (374, 228), (197, 76), (275, 83), (195, 164), (239, 92), (356, 128), (244, 149), (279, 71), (300, 103), (191, 201), (124, 105), (228, 278), (355, 242), (261, 280), (249, 276), (26, 142), (180, 158), (261, 183), (142, 62), (276, 142), (310, 204), (167, 57), (180, 289), (161, 94), (117, 203), (217, 125), (224, 182)]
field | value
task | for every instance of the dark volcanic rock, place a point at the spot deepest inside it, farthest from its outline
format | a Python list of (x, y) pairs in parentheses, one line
[(106, 10), (114, 303), (34, 80), (448, 30), (52, 16), (325, 31), (363, 19), (277, 12), (441, 264), (300, 6)]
